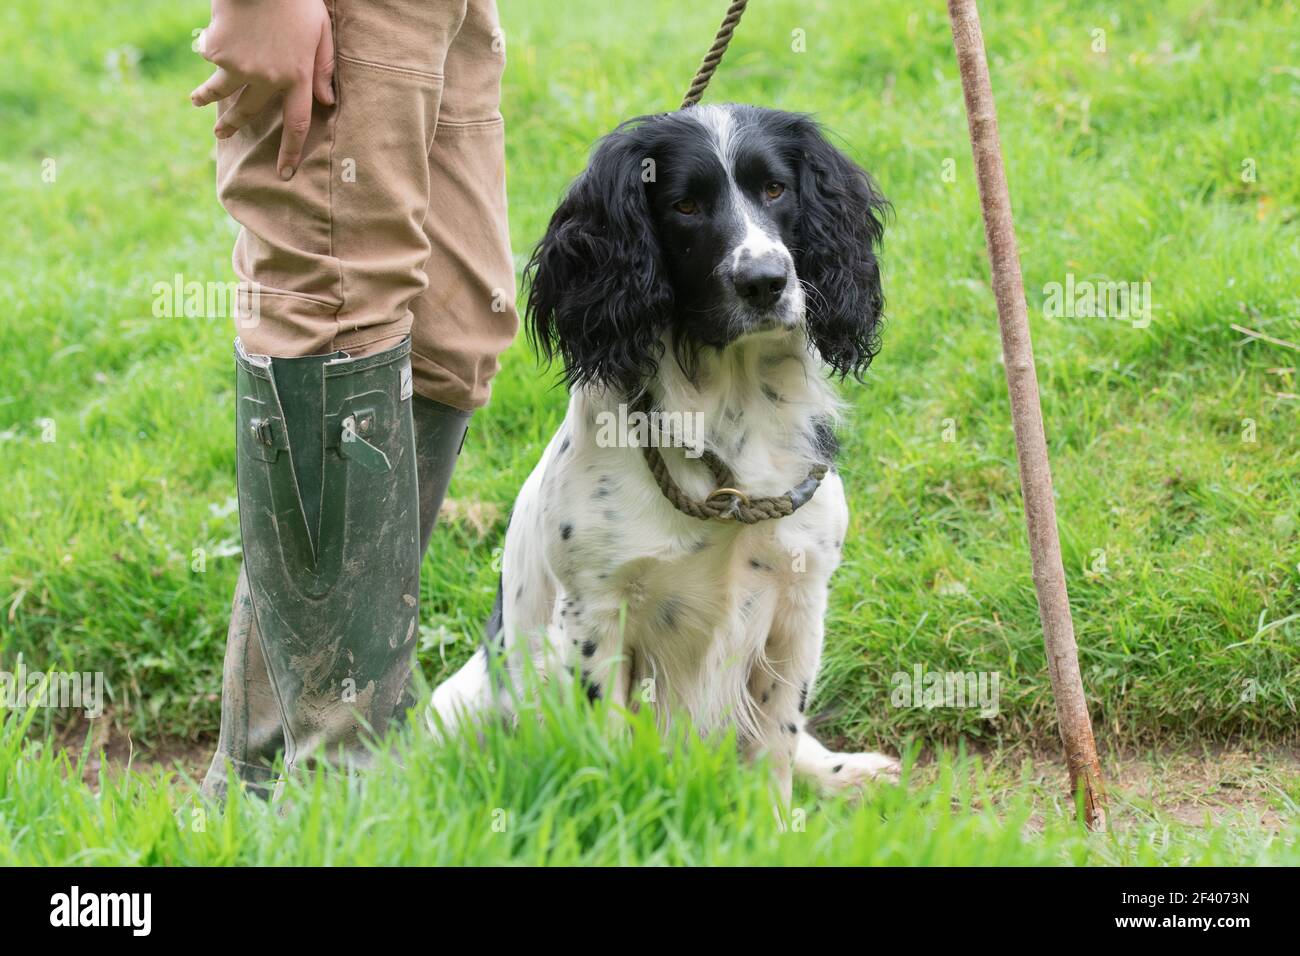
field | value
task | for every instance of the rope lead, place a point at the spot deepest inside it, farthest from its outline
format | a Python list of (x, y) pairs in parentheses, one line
[(709, 65)]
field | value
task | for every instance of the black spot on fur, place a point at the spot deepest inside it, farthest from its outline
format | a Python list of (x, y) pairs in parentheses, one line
[(803, 698), (791, 729), (588, 648), (564, 445), (825, 443), (669, 611), (837, 768), (759, 565), (566, 531), (765, 697)]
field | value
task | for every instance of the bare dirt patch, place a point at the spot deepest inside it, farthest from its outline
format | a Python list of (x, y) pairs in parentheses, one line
[(114, 751), (1212, 785)]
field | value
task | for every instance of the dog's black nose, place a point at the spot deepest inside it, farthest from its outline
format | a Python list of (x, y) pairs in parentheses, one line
[(759, 282)]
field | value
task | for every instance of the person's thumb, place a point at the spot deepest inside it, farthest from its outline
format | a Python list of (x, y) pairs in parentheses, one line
[(322, 81)]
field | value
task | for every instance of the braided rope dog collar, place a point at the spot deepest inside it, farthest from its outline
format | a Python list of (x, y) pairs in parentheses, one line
[(726, 502)]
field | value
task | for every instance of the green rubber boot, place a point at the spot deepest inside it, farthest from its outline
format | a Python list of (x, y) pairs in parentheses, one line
[(439, 436), (329, 516), (251, 722)]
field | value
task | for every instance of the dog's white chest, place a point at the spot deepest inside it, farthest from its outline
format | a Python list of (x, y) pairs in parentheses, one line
[(691, 604)]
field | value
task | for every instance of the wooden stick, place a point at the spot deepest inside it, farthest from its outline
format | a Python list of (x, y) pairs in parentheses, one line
[(1027, 416)]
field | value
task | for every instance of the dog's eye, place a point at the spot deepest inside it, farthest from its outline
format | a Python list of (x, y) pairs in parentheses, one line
[(687, 207), (773, 189)]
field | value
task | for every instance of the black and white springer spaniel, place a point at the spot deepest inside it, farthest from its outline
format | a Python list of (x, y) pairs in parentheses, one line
[(717, 265)]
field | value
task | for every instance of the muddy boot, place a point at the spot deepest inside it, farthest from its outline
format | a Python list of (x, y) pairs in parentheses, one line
[(251, 735), (329, 516)]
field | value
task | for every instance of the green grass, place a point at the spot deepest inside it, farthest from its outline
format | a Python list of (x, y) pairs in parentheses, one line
[(1181, 538), (577, 791)]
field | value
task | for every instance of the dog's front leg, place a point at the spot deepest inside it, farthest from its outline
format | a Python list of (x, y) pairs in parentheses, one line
[(596, 655), (781, 686), (794, 652)]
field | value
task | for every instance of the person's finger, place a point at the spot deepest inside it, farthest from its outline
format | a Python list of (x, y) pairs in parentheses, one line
[(322, 80), (297, 122), (216, 87), (243, 109)]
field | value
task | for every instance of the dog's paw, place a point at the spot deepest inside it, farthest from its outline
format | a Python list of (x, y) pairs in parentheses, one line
[(850, 772)]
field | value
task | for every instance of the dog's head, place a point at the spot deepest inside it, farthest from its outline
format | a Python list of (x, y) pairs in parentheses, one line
[(699, 228)]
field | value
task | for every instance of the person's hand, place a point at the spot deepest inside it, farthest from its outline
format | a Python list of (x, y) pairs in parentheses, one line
[(263, 48)]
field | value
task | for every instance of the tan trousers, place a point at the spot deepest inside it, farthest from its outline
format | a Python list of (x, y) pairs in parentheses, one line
[(395, 222)]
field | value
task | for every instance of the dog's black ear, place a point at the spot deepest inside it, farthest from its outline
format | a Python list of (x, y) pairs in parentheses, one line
[(841, 226), (598, 295)]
